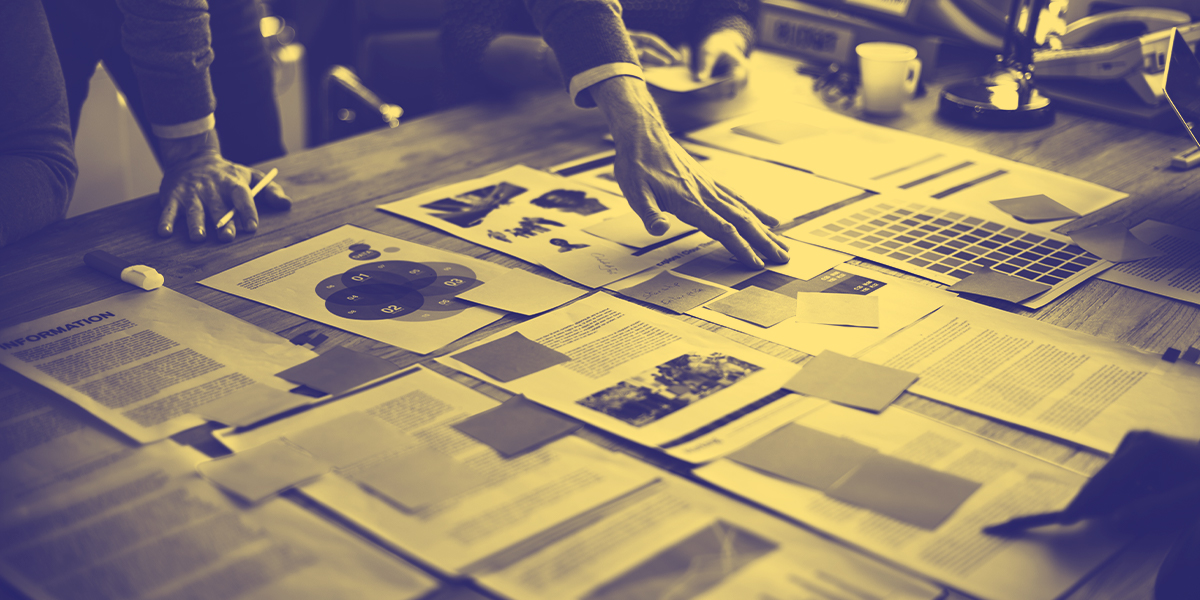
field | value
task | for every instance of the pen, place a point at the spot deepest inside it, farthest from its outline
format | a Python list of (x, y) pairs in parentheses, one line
[(270, 176)]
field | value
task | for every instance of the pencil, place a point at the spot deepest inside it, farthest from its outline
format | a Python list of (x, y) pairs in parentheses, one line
[(268, 178)]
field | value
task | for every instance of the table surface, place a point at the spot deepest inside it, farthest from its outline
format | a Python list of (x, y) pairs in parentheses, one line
[(343, 182)]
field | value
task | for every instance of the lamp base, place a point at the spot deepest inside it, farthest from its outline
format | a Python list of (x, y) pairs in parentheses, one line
[(1002, 99)]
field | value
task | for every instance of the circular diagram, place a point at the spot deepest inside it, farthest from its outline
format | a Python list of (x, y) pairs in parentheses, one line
[(398, 289)]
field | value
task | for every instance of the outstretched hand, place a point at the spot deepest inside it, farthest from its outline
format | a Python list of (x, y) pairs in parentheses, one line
[(198, 181)]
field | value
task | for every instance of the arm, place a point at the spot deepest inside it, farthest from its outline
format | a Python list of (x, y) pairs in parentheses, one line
[(37, 163)]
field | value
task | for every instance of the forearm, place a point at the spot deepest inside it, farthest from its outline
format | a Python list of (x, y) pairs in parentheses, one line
[(170, 48)]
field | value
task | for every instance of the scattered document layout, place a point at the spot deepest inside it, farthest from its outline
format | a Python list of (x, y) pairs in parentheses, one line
[(1175, 274), (543, 219), (375, 285), (1064, 383), (883, 159), (433, 492), (677, 539), (148, 527), (647, 377), (142, 361), (1034, 567)]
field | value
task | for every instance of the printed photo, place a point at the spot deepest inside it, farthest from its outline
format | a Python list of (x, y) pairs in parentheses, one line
[(573, 201), (471, 208), (671, 386)]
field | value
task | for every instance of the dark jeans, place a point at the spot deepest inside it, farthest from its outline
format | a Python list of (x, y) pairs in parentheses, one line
[(87, 32)]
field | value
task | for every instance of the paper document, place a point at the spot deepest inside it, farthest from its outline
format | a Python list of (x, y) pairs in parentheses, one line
[(539, 218), (377, 286), (148, 527), (650, 378), (1175, 274), (1078, 387), (677, 539), (142, 361), (448, 526), (955, 552)]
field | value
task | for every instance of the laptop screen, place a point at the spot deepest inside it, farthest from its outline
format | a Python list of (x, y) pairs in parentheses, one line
[(1181, 83)]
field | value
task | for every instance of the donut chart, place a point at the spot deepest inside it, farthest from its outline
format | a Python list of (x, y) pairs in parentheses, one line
[(398, 289)]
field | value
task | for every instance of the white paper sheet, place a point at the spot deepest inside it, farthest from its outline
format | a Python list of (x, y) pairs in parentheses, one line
[(539, 218), (141, 361), (1176, 274), (1064, 383), (1039, 566), (650, 378), (371, 284), (610, 557), (148, 527), (524, 496)]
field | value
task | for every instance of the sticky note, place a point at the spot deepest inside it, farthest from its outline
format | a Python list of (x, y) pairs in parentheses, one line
[(516, 426), (249, 405), (351, 438), (993, 284), (1114, 243), (419, 478), (511, 357), (804, 455), (852, 310), (1035, 209), (756, 305), (845, 380), (522, 292), (672, 292), (777, 132), (904, 491), (338, 369), (628, 230), (259, 472)]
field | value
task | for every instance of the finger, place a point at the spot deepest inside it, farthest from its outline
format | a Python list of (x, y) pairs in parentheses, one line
[(644, 204), (273, 197), (653, 58), (212, 200), (724, 232), (747, 226), (652, 42), (767, 219), (702, 66), (195, 215), (239, 193), (166, 219)]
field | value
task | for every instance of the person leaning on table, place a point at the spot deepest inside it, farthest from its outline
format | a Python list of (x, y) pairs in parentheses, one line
[(37, 162), (159, 52), (599, 62)]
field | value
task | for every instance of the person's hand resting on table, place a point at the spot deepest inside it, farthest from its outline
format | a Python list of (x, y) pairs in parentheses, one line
[(197, 181), (722, 54), (656, 174)]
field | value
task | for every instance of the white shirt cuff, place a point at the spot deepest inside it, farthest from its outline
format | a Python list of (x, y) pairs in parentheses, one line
[(187, 129), (581, 82)]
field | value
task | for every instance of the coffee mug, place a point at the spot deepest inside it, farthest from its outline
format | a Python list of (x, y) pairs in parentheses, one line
[(889, 75)]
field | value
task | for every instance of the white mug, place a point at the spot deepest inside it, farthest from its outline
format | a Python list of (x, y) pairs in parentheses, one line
[(889, 75)]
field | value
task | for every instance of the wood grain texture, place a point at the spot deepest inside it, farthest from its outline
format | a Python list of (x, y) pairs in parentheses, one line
[(342, 183)]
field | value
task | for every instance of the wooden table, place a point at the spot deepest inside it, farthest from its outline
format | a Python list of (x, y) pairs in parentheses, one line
[(343, 182)]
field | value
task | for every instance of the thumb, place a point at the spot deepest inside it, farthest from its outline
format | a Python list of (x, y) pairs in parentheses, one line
[(644, 204), (703, 64)]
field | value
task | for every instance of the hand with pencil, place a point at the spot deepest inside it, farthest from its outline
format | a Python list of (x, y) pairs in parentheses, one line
[(199, 182)]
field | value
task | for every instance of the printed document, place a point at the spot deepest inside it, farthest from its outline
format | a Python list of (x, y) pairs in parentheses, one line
[(651, 379), (142, 361), (1175, 274), (147, 527), (1038, 566), (519, 498), (1064, 383), (375, 285)]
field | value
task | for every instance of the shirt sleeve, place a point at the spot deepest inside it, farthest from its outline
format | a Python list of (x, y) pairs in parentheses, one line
[(37, 163), (580, 83), (585, 34), (170, 48)]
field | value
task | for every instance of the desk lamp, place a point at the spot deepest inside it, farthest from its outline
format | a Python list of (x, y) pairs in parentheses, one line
[(1005, 97)]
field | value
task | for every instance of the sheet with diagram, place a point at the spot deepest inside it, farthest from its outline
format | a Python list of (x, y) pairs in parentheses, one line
[(368, 283), (147, 527), (677, 539), (546, 220), (451, 526), (1064, 383), (883, 159), (1175, 274), (956, 552), (647, 377), (142, 361)]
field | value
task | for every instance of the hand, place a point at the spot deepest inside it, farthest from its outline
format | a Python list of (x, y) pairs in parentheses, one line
[(722, 54), (653, 51), (198, 180), (656, 174)]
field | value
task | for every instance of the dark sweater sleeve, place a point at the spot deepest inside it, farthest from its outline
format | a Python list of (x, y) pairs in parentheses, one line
[(170, 47), (583, 33), (37, 163), (714, 15)]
